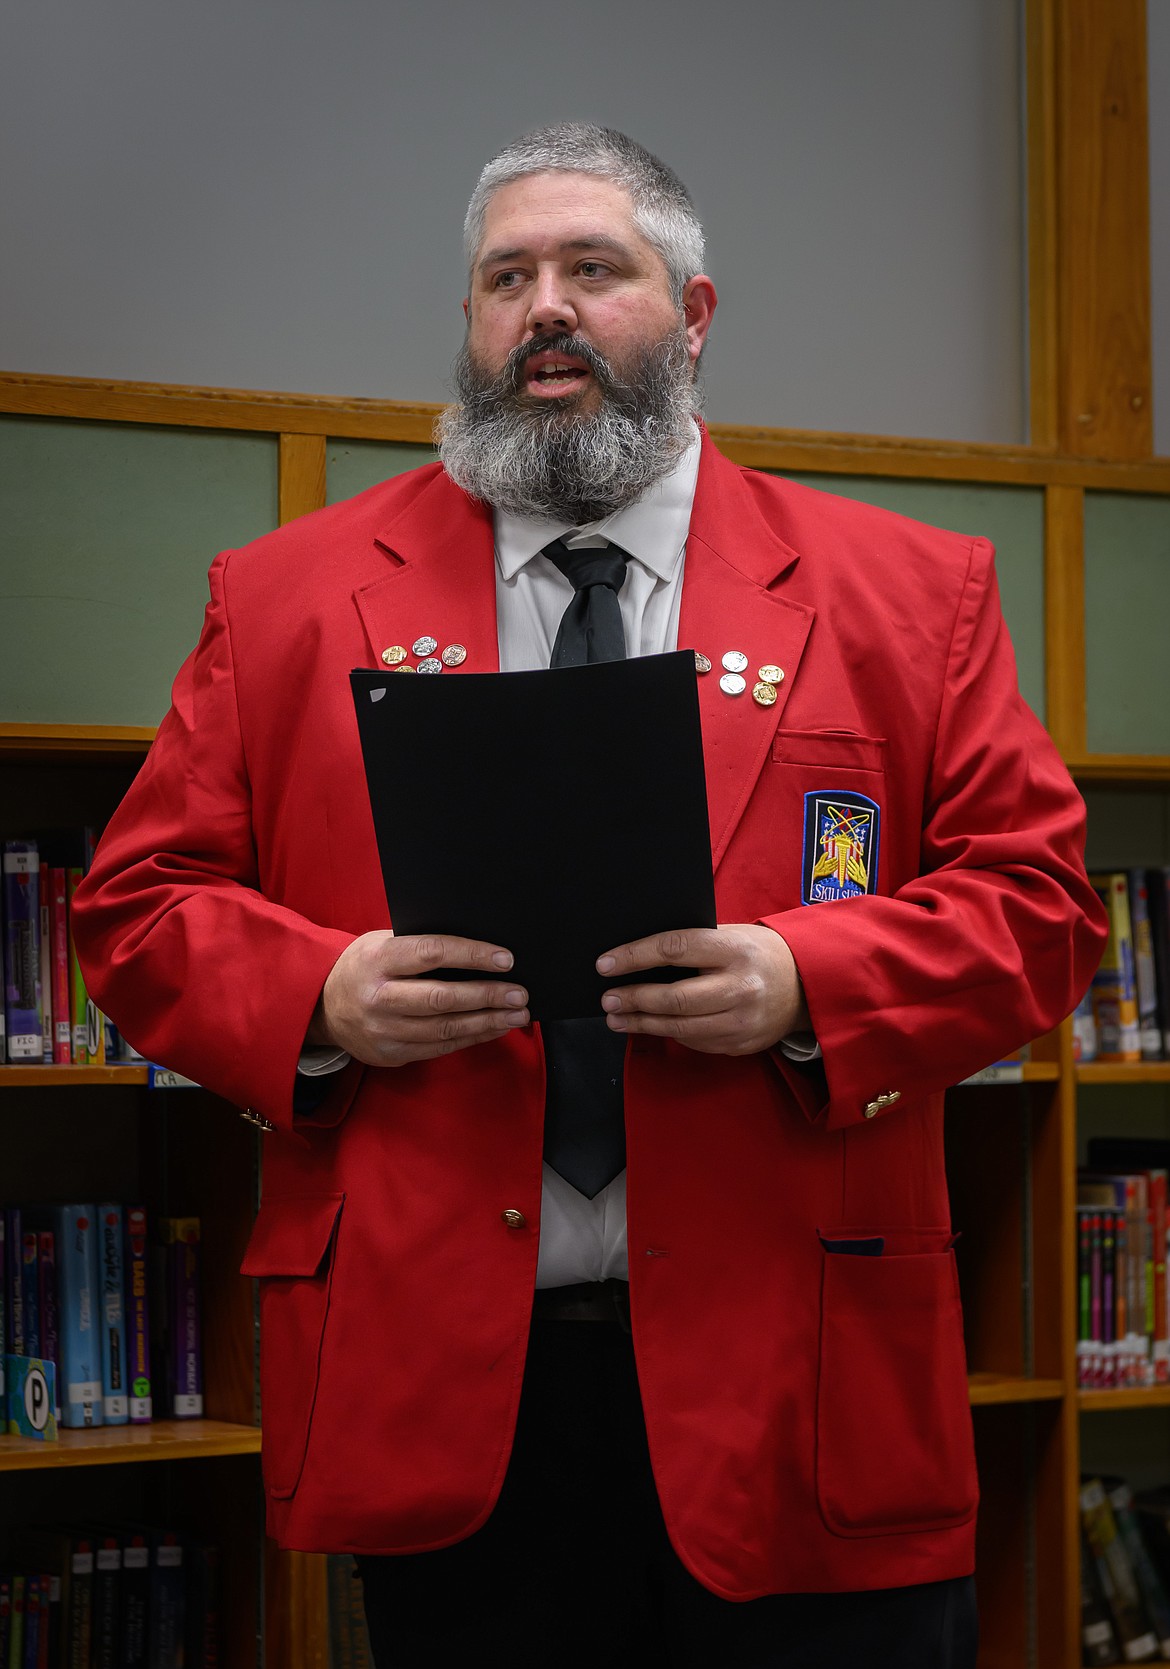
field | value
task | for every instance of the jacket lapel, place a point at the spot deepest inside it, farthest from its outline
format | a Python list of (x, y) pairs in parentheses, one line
[(441, 583), (733, 558)]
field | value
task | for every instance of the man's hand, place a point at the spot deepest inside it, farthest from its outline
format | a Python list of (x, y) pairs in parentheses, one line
[(380, 1007), (746, 997)]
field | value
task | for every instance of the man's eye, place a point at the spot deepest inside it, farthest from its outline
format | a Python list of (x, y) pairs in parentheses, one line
[(592, 269), (506, 280)]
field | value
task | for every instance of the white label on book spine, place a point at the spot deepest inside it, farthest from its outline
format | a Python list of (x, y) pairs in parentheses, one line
[(189, 1407), (82, 1564), (21, 863), (109, 1558), (84, 1390), (135, 1558), (25, 1046), (1141, 1649), (169, 1557), (115, 1408), (141, 1408)]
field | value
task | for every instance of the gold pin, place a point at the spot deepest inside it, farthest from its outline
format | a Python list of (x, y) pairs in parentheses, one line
[(702, 662), (454, 655), (404, 669), (394, 654), (771, 674), (765, 694)]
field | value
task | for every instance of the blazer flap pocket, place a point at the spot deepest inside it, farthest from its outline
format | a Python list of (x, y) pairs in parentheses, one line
[(292, 1234), (845, 748)]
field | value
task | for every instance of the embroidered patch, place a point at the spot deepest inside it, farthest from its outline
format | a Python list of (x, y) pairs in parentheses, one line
[(840, 846)]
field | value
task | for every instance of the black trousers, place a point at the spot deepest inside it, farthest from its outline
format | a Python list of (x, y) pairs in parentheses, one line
[(574, 1567)]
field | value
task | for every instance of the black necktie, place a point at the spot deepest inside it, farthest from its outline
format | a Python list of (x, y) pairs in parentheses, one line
[(584, 1110)]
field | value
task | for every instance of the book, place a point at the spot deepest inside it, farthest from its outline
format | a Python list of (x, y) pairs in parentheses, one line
[(115, 1400), (14, 1281), (68, 1556), (59, 965), (22, 954), (167, 1602), (44, 966), (1114, 986), (1149, 1582), (80, 1334), (135, 1600), (1084, 1031), (1145, 973), (78, 1000), (47, 1281), (106, 1627), (1138, 1641), (180, 1238), (1158, 889), (1098, 1637), (203, 1646), (138, 1318), (30, 1272)]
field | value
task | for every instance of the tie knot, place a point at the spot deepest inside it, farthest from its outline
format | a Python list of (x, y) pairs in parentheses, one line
[(605, 565)]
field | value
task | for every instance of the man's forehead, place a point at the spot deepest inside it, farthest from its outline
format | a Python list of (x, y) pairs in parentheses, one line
[(555, 196)]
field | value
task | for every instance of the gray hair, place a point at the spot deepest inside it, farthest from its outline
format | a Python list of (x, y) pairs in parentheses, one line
[(663, 210)]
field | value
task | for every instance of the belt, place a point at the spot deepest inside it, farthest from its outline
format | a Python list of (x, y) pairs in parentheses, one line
[(588, 1301)]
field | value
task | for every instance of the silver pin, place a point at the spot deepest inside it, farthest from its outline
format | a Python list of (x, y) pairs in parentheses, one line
[(734, 661), (732, 684), (428, 645), (431, 664)]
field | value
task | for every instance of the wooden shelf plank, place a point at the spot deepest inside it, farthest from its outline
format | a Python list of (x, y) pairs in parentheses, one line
[(989, 1388), (1124, 1072), (1133, 1396), (75, 741), (1028, 1072), (42, 1077), (1122, 769), (119, 1445)]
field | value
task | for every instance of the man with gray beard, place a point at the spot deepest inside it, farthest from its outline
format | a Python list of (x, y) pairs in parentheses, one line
[(633, 1339)]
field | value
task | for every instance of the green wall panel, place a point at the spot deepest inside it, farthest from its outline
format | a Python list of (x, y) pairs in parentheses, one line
[(1127, 646), (1011, 517), (108, 531), (353, 465)]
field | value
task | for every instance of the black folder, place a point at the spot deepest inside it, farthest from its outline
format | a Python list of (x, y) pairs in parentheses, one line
[(557, 813)]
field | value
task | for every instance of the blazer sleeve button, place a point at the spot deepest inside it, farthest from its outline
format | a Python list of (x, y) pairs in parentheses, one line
[(514, 1219)]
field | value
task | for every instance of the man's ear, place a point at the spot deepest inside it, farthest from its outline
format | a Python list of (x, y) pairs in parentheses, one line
[(699, 302), (467, 308)]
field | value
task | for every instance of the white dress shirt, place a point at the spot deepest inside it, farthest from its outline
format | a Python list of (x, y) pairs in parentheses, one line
[(583, 1239)]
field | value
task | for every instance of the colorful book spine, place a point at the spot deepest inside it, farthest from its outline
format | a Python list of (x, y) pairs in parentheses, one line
[(77, 995), (1159, 1321), (1085, 1342), (115, 1400), (1084, 1031), (180, 1236), (1145, 971), (59, 965), (1115, 984), (45, 966), (138, 1324), (47, 1283), (81, 1360), (22, 952)]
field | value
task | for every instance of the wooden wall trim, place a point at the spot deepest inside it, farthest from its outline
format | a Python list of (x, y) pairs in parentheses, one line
[(1064, 624), (26, 394), (1103, 223), (301, 475)]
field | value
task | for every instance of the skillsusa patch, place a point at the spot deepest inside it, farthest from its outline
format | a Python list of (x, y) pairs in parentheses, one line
[(840, 846)]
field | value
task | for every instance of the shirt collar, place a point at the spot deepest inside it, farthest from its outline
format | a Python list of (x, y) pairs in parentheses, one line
[(653, 529)]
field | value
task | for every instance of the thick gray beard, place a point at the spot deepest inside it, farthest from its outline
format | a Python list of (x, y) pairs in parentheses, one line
[(545, 458)]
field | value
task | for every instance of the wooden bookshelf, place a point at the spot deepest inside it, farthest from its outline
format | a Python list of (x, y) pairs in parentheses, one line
[(1124, 1072), (119, 1445), (1128, 1396), (987, 1389), (53, 1077)]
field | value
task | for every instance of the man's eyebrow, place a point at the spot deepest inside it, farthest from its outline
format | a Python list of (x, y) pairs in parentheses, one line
[(600, 240)]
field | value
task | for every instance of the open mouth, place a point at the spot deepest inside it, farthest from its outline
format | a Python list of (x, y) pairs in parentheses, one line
[(555, 374)]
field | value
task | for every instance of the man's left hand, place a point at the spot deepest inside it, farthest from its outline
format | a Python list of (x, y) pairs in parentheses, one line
[(746, 996)]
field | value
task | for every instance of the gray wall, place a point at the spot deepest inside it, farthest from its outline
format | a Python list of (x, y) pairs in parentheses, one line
[(267, 193)]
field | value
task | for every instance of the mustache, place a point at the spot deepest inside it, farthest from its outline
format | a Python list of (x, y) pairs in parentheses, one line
[(572, 347)]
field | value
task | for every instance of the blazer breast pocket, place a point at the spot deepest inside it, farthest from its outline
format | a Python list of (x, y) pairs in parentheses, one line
[(832, 750)]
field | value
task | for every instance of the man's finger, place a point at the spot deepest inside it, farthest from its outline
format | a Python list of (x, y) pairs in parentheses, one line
[(691, 947), (412, 1032), (423, 952), (446, 996), (706, 994), (726, 1033)]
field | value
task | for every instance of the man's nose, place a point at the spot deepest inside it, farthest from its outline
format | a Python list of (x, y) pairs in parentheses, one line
[(550, 307)]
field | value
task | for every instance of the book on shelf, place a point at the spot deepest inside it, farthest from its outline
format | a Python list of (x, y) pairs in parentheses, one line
[(1115, 1006), (1123, 1325), (1119, 1583), (22, 953), (179, 1239), (1145, 970), (112, 1280)]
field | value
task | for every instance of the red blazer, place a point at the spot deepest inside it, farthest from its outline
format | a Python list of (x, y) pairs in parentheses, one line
[(807, 1410)]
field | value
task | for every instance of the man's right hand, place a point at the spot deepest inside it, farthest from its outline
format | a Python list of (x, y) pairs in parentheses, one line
[(380, 1006)]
